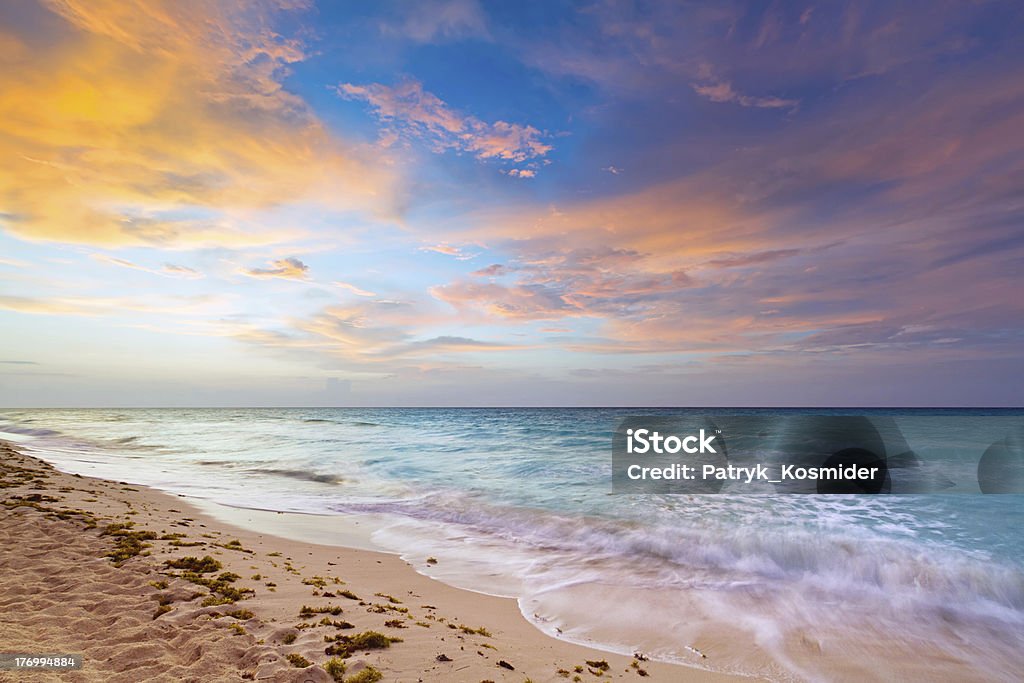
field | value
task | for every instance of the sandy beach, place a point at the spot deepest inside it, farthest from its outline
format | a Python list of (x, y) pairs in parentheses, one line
[(147, 587)]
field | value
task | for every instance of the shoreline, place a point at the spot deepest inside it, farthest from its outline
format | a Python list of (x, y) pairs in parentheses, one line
[(123, 615)]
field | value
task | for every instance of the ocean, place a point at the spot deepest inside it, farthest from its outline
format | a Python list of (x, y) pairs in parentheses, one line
[(519, 503)]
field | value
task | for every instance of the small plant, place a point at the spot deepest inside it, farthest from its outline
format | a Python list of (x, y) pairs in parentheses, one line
[(214, 600), (298, 661), (234, 545), (128, 543), (241, 614), (335, 668), (308, 611), (289, 638), (207, 565), (390, 598), (327, 621), (474, 631), (348, 594), (367, 675), (162, 610), (345, 646)]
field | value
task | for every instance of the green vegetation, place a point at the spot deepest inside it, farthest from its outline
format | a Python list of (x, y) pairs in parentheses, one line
[(127, 543), (335, 668), (298, 661), (390, 598), (367, 675), (234, 545), (223, 592), (474, 631), (322, 581), (345, 646), (381, 609), (207, 565), (326, 621), (240, 614), (308, 611)]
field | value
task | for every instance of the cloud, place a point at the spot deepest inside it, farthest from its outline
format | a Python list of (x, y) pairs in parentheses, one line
[(447, 344), (167, 270), (423, 115), (614, 170), (493, 270), (286, 268), (181, 271), (159, 123), (114, 306), (352, 288), (449, 250), (521, 173), (431, 22), (553, 283), (752, 259), (722, 91), (18, 362)]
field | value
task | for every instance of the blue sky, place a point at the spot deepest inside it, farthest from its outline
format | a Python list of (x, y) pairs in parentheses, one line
[(467, 203)]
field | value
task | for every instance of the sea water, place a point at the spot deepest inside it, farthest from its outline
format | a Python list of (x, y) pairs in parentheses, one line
[(518, 502)]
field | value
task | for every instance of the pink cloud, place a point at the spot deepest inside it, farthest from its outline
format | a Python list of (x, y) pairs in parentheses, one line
[(424, 115), (448, 250)]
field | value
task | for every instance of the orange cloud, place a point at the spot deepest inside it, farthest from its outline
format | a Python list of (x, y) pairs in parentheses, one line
[(355, 290), (161, 123), (286, 268)]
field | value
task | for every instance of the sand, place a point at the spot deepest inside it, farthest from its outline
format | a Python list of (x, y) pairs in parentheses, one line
[(134, 617)]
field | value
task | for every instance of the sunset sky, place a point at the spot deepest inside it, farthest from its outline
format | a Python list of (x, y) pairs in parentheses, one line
[(541, 203)]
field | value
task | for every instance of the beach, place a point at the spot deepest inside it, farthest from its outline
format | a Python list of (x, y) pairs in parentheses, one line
[(100, 568), (492, 529)]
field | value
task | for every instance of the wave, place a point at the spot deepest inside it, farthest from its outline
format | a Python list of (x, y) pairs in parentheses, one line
[(301, 474), (840, 564)]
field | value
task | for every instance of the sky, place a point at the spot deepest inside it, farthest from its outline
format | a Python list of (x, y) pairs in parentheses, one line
[(452, 202)]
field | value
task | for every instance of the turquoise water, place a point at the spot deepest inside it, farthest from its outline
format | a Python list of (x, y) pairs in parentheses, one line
[(518, 502)]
